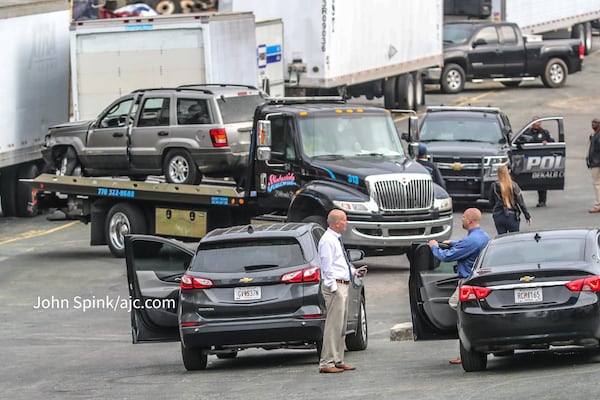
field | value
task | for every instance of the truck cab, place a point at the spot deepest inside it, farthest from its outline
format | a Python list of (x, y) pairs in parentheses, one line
[(314, 156)]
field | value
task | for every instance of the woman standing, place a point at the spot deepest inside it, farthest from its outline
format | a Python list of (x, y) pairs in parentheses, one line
[(507, 201)]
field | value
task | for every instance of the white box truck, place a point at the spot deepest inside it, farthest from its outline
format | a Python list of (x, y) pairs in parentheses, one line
[(355, 47), (34, 92), (112, 57), (550, 18)]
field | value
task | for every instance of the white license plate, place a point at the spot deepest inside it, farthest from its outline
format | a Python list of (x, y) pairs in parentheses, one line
[(246, 293), (529, 295)]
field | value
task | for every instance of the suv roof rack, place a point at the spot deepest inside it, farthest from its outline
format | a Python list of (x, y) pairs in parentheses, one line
[(224, 85), (467, 108), (178, 89), (299, 100)]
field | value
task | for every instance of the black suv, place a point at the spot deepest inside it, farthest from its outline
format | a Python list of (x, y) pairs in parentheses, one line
[(246, 286), (468, 144), (181, 133)]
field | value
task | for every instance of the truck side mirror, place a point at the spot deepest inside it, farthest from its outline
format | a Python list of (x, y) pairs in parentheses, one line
[(264, 133), (413, 128), (263, 148), (413, 149)]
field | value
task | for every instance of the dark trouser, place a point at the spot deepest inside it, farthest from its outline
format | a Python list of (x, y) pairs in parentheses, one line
[(542, 196), (506, 223)]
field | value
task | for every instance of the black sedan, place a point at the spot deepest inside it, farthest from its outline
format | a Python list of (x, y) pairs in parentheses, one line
[(527, 291)]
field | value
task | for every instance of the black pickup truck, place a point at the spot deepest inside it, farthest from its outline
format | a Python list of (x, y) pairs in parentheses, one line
[(474, 51)]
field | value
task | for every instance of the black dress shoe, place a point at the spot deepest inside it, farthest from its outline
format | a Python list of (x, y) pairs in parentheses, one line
[(541, 204)]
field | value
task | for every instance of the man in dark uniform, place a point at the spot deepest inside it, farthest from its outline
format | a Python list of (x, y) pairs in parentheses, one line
[(537, 134), (433, 170)]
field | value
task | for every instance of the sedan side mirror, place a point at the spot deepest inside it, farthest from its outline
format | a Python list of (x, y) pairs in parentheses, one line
[(355, 254)]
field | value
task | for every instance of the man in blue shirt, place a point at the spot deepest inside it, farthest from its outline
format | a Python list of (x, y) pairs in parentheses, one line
[(464, 252)]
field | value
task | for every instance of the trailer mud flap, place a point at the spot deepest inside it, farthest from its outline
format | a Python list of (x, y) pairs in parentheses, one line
[(180, 223)]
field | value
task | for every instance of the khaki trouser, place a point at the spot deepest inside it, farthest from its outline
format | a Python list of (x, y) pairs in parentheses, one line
[(596, 183), (334, 334)]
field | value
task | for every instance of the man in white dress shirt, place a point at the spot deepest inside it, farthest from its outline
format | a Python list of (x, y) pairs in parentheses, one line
[(337, 273)]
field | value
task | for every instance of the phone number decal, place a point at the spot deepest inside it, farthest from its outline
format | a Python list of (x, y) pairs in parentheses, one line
[(116, 192)]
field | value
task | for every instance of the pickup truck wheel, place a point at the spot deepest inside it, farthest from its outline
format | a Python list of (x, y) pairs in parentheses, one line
[(389, 93), (453, 79), (123, 219), (359, 340), (179, 167), (405, 92), (194, 358), (555, 73)]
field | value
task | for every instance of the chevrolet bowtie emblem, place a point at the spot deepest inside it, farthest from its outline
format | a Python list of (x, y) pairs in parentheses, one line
[(246, 280), (457, 165), (527, 278)]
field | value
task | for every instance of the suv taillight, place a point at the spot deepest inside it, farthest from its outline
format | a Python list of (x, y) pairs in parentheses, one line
[(195, 282), (311, 274), (218, 137)]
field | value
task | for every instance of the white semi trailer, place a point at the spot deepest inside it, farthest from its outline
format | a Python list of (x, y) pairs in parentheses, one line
[(34, 92), (354, 47)]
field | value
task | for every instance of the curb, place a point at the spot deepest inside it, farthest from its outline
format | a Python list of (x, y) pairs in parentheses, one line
[(401, 331)]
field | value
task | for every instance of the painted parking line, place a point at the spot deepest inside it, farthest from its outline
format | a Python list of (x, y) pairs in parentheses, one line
[(32, 234)]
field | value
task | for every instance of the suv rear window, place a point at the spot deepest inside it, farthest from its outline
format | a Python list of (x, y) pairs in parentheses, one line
[(238, 109), (248, 255)]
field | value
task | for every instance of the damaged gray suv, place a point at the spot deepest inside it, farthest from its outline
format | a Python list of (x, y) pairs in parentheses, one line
[(182, 133)]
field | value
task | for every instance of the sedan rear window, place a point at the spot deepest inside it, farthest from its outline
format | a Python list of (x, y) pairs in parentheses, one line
[(532, 252), (248, 255)]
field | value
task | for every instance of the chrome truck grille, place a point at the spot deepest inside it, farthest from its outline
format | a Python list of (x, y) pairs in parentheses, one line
[(402, 192)]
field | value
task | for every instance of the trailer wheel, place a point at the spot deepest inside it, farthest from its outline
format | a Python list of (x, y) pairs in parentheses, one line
[(453, 79), (389, 93), (555, 73), (26, 205), (405, 92), (8, 188), (587, 34), (419, 91), (178, 167), (123, 219)]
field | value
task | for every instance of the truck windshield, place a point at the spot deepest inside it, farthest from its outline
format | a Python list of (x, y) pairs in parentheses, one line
[(461, 130), (350, 136), (458, 33)]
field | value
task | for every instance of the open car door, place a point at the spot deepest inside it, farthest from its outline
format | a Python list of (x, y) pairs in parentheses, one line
[(430, 285), (154, 269), (538, 166)]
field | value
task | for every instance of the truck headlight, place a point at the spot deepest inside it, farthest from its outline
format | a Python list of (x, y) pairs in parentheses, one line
[(493, 162), (358, 207), (444, 204)]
